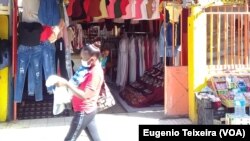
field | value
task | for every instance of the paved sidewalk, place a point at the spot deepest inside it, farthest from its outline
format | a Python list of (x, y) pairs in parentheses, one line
[(113, 127)]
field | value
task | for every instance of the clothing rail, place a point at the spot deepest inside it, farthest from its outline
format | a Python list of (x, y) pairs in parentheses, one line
[(138, 32)]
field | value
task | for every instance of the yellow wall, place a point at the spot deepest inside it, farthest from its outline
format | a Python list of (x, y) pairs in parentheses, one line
[(4, 73), (196, 57)]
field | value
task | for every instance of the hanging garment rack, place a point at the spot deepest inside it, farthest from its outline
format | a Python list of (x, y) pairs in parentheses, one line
[(138, 33)]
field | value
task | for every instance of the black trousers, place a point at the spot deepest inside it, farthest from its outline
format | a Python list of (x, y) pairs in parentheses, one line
[(82, 121), (60, 56)]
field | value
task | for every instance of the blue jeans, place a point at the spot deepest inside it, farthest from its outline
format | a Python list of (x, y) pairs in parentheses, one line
[(48, 63), (48, 12), (29, 57), (48, 59), (5, 59)]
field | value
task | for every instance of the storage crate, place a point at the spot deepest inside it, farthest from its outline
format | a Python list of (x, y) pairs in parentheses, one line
[(231, 119), (204, 110)]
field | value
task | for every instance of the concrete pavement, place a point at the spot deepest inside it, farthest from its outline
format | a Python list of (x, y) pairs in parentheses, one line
[(112, 127)]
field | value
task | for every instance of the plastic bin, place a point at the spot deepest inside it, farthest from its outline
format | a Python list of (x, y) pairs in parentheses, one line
[(204, 109)]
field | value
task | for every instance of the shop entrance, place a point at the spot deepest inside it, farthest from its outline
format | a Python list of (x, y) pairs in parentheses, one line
[(218, 45)]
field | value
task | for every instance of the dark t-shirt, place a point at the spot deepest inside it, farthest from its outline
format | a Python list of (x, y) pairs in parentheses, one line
[(29, 33)]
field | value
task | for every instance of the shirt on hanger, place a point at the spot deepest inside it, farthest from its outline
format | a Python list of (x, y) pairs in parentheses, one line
[(86, 8), (153, 9), (174, 12), (103, 8), (138, 12), (30, 10), (78, 11), (123, 5), (133, 3), (111, 9), (144, 10), (118, 12), (94, 8), (128, 11)]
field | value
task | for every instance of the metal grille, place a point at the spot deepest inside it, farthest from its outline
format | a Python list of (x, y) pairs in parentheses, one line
[(228, 36)]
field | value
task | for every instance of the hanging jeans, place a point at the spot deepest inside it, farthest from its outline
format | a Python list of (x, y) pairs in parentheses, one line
[(61, 57), (29, 57), (48, 57), (80, 122)]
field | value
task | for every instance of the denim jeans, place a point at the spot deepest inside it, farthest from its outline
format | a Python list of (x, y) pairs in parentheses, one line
[(48, 54), (48, 12), (80, 122), (5, 59), (48, 59), (92, 131), (29, 57)]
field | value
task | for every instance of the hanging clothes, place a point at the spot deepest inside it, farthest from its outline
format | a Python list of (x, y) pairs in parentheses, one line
[(118, 12), (141, 56), (30, 10), (138, 12), (78, 11), (29, 57), (94, 8), (48, 12), (122, 65), (144, 10), (156, 53), (133, 6), (153, 9), (77, 42), (128, 9), (61, 58), (111, 9), (29, 33), (123, 5), (104, 13), (86, 8), (132, 61)]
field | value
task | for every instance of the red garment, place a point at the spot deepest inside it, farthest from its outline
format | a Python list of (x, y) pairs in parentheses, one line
[(94, 8), (93, 81), (123, 5), (46, 33), (162, 13), (86, 8), (70, 7)]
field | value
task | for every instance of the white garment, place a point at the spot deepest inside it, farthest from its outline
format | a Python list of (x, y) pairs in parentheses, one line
[(122, 67), (133, 8), (66, 17), (156, 52), (30, 10), (144, 10), (132, 61), (61, 94), (141, 54)]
